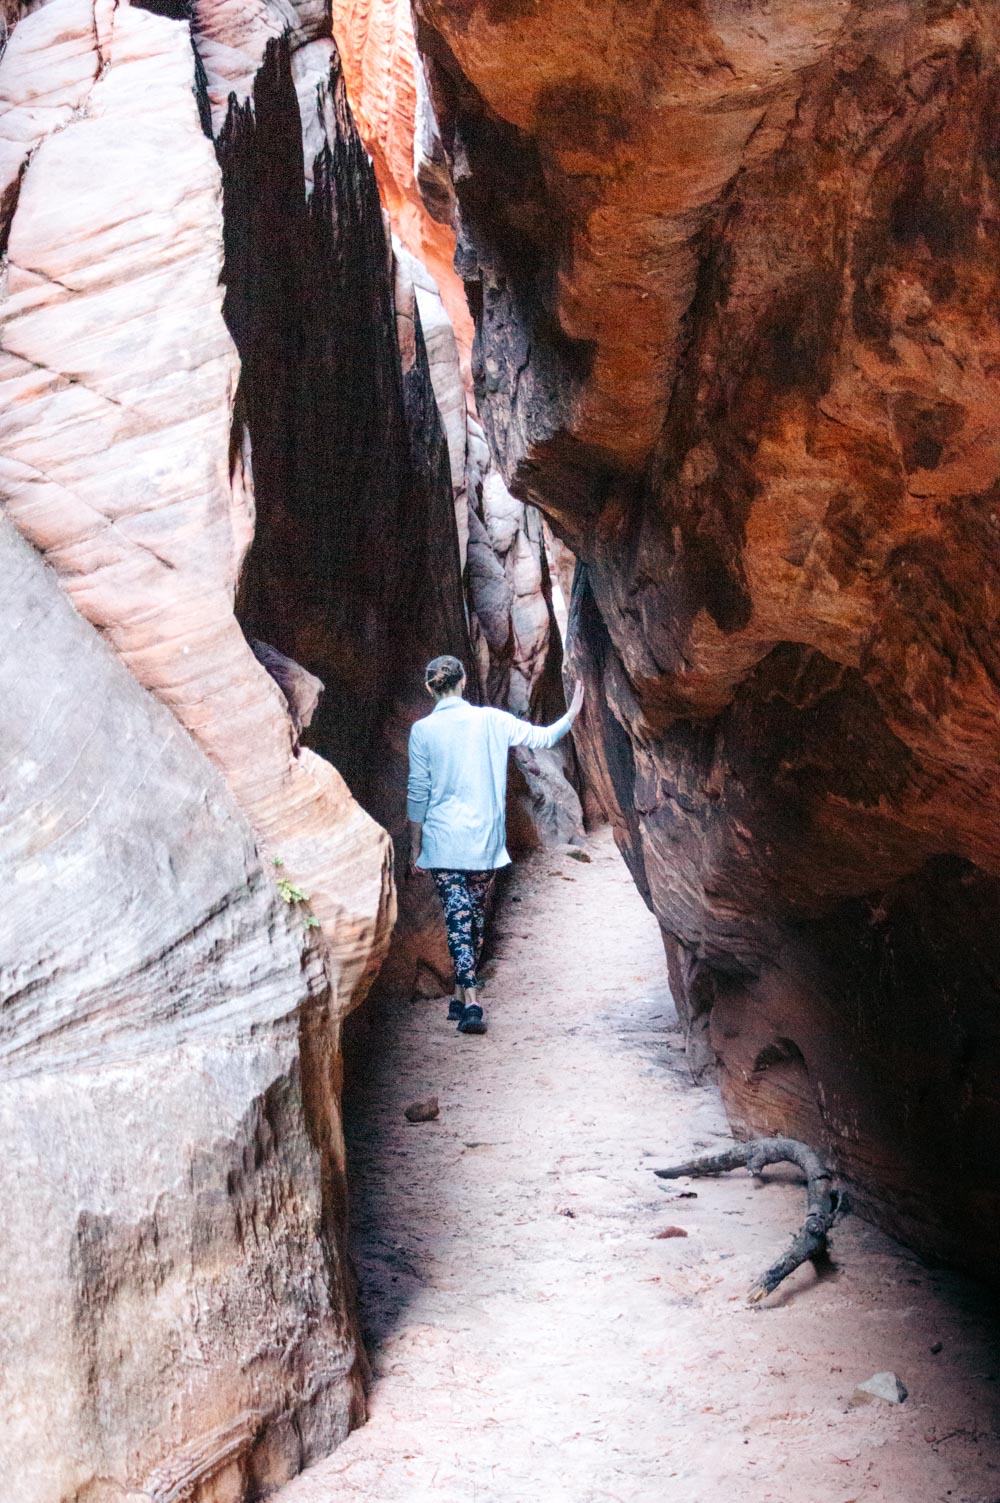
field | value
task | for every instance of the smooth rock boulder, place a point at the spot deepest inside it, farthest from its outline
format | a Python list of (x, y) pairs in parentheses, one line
[(174, 1313)]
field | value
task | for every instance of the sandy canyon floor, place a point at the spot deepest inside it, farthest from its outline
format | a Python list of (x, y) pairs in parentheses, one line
[(536, 1339)]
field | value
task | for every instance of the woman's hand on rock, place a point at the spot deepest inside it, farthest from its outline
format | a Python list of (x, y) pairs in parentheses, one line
[(576, 702)]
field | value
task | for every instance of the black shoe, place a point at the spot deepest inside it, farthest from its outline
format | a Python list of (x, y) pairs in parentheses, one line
[(472, 1020), (456, 1007)]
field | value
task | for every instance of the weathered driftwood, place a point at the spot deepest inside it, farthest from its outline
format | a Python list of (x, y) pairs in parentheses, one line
[(824, 1203)]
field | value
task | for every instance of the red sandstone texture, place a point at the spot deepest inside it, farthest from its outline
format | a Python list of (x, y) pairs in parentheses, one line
[(388, 94), (735, 277)]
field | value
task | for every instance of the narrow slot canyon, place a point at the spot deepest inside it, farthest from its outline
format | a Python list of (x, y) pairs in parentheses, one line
[(650, 349)]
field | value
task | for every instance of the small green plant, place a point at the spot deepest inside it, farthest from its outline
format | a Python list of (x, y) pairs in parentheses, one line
[(291, 893)]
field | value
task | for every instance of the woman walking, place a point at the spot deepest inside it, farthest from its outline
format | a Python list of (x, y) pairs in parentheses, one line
[(456, 805)]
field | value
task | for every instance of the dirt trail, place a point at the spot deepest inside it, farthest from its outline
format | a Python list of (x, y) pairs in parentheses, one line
[(534, 1340)]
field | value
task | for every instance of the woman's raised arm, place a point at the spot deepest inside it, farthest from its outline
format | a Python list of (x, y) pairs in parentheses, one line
[(538, 737)]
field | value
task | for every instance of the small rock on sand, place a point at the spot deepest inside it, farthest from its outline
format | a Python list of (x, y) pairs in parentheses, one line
[(669, 1231), (884, 1386), (422, 1111)]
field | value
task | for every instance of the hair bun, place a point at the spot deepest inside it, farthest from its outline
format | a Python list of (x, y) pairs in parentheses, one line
[(444, 673)]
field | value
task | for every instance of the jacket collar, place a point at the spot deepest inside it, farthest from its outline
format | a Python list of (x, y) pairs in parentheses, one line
[(448, 704)]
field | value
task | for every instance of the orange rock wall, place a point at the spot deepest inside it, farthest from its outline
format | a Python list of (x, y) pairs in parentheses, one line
[(379, 56), (735, 276)]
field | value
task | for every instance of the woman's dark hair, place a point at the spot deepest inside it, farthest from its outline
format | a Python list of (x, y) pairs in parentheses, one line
[(443, 674)]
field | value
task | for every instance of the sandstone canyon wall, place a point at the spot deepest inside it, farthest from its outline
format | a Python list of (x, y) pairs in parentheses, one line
[(175, 1320), (176, 1292), (734, 270)]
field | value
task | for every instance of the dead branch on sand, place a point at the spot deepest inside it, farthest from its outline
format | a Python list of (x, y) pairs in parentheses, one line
[(824, 1204)]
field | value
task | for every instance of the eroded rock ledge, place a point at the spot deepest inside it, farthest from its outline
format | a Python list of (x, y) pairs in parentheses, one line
[(735, 277)]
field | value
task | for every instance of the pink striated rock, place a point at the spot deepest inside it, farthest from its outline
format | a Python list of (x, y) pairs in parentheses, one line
[(231, 39), (120, 376), (171, 1028)]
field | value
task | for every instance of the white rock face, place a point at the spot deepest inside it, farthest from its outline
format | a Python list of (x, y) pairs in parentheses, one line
[(417, 290), (172, 1315), (515, 534), (430, 163)]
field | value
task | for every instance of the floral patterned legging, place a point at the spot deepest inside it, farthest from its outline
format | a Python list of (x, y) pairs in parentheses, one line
[(463, 896)]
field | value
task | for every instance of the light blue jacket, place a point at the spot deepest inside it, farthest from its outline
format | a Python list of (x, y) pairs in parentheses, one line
[(458, 781)]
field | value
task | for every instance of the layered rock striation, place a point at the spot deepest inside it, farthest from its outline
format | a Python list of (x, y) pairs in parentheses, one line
[(125, 461), (734, 273), (175, 1317)]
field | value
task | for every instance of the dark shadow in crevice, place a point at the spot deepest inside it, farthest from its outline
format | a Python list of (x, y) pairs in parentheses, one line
[(353, 571)]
